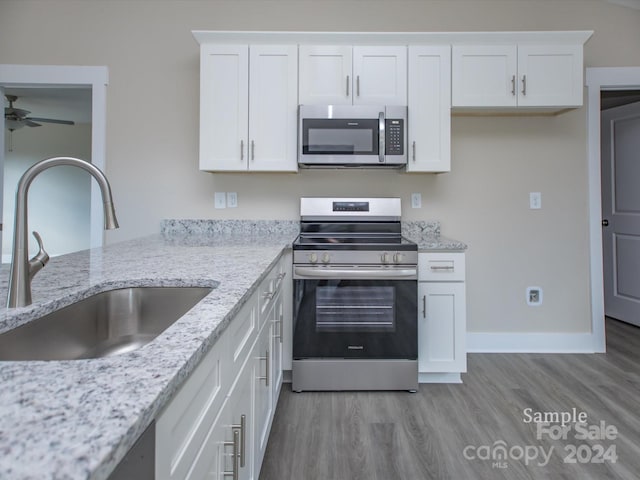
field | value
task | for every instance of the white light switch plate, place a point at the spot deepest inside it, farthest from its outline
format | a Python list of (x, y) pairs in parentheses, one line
[(535, 200), (220, 200), (416, 200)]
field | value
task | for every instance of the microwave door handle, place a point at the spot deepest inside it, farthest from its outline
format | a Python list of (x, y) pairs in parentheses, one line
[(382, 134)]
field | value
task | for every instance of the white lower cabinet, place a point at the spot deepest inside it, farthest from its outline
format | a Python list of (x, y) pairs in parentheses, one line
[(217, 425), (442, 317)]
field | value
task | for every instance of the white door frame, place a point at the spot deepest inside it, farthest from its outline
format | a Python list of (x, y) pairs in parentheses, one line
[(69, 76), (597, 79)]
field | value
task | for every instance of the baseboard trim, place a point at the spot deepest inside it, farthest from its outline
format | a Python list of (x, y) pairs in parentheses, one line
[(439, 378), (531, 343)]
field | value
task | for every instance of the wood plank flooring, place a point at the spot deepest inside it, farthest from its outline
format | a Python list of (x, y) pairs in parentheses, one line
[(446, 431)]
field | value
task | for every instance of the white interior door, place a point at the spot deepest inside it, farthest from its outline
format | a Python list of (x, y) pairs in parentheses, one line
[(620, 156)]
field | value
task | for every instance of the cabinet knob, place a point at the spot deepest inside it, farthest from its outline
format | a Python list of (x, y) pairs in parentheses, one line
[(605, 223)]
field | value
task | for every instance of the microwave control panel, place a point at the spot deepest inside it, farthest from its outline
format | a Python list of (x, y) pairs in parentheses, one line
[(394, 140)]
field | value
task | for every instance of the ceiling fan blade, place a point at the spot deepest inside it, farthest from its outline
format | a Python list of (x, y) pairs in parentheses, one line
[(18, 112), (29, 123), (51, 120)]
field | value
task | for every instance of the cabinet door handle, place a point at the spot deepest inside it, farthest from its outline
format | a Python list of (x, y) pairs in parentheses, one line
[(348, 82), (524, 84), (253, 150), (413, 146), (358, 86), (424, 306), (266, 377), (513, 85), (241, 149), (236, 445), (278, 321)]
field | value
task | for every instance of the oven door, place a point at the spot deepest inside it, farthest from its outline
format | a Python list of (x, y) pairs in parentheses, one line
[(355, 313)]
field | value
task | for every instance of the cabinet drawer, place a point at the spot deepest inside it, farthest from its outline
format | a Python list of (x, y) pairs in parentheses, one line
[(441, 267), (270, 288), (241, 335), (183, 425)]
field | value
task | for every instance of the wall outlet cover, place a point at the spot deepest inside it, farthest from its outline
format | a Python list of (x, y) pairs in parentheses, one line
[(534, 296), (232, 199), (416, 200)]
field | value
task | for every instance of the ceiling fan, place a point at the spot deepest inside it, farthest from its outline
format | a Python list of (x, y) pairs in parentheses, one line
[(16, 118)]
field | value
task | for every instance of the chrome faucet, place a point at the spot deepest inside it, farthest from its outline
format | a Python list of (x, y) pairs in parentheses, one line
[(22, 269)]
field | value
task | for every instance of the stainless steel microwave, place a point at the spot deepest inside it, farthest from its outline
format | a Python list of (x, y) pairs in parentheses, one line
[(352, 136)]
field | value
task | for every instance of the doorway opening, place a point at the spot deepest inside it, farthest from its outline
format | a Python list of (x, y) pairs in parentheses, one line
[(601, 80), (84, 85)]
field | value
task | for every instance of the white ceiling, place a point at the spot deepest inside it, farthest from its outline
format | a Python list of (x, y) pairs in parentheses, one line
[(61, 103)]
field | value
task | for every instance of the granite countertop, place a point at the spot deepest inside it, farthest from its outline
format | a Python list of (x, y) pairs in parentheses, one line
[(77, 419), (427, 236)]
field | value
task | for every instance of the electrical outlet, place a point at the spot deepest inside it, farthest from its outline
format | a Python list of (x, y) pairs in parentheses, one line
[(534, 296), (535, 200), (220, 199), (232, 199), (416, 200)]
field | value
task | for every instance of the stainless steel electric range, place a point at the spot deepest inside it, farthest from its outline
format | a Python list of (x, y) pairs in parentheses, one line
[(355, 296)]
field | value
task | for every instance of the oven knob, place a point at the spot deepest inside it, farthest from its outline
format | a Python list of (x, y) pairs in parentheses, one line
[(398, 257), (325, 258), (385, 257), (313, 258)]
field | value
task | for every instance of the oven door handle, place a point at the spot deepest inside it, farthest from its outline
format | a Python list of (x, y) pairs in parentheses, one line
[(356, 273)]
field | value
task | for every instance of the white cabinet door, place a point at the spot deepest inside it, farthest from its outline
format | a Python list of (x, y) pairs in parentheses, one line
[(429, 109), (224, 107), (248, 108), (325, 75), (380, 75), (262, 380), (540, 76), (184, 425), (241, 418), (273, 102), (277, 328), (484, 76), (441, 327), (550, 76), (338, 75)]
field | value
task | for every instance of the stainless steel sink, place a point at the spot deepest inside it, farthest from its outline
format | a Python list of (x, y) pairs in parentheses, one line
[(109, 323)]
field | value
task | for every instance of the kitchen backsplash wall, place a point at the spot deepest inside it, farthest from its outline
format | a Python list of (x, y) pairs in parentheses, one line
[(152, 134)]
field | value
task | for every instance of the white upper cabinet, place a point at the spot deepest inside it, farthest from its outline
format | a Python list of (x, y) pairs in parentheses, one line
[(508, 76), (338, 75), (429, 122), (325, 75), (248, 107)]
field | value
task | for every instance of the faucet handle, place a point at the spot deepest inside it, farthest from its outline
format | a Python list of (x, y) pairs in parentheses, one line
[(40, 259)]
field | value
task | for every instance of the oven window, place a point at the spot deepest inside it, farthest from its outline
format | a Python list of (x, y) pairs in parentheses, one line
[(355, 309)]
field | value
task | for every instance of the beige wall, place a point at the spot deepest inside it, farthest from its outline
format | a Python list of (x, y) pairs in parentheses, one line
[(152, 138)]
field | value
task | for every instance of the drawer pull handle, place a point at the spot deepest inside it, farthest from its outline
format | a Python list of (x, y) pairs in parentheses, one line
[(235, 469), (266, 377), (437, 268), (242, 426), (268, 295)]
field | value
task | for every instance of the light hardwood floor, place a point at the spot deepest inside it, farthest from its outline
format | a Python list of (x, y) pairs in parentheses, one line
[(403, 436)]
